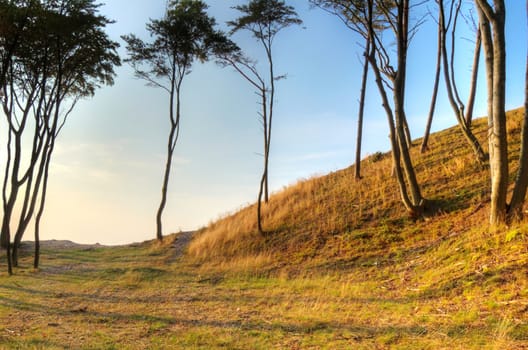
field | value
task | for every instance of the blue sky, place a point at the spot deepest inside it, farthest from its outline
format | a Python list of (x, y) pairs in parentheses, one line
[(106, 175)]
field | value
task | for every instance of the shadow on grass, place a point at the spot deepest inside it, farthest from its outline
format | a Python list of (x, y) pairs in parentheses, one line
[(304, 327)]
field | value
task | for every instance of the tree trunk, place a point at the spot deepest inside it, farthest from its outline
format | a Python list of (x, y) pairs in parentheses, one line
[(425, 141), (399, 103), (270, 115), (515, 210), (168, 165), (171, 144), (360, 113), (40, 211), (400, 151), (259, 203), (495, 52), (9, 204), (454, 100), (474, 79), (406, 131), (8, 254)]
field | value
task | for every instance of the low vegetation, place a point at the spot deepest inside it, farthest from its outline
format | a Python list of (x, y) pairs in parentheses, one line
[(340, 266)]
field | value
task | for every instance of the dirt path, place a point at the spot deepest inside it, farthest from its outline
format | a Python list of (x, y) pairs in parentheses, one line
[(181, 243)]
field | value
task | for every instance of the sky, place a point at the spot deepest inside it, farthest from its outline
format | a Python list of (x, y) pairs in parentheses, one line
[(105, 179)]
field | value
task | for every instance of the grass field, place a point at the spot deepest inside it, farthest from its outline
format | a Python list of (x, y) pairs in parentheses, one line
[(341, 267), (139, 297)]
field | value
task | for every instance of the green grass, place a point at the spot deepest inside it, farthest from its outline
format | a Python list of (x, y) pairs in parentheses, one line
[(341, 267), (130, 298)]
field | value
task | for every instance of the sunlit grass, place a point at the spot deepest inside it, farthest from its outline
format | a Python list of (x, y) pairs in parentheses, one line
[(340, 267)]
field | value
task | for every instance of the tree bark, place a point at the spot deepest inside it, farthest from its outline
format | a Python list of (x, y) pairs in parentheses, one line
[(474, 79), (515, 210), (176, 82), (40, 211), (452, 94), (405, 174), (425, 141), (361, 112), (495, 51)]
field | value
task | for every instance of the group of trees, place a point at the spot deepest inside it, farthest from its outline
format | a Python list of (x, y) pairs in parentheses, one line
[(55, 52), (375, 20), (185, 34)]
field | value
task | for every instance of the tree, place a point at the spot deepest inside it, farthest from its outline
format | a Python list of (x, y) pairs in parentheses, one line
[(521, 181), (264, 19), (364, 76), (12, 23), (492, 21), (474, 77), (449, 75), (425, 141), (396, 14), (348, 12), (372, 19), (184, 35), (63, 56)]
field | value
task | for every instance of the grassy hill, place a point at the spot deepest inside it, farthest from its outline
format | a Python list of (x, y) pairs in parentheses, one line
[(334, 222), (341, 267)]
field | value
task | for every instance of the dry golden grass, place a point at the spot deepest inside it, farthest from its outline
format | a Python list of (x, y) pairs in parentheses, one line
[(466, 278), (304, 218), (341, 267)]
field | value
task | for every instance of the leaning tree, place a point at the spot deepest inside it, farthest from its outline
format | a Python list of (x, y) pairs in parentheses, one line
[(447, 58), (264, 19), (185, 34)]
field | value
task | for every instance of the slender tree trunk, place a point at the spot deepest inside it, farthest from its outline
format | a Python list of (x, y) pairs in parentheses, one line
[(400, 151), (399, 109), (8, 253), (406, 131), (171, 144), (515, 210), (270, 116), (263, 181), (494, 45), (474, 79), (166, 175), (521, 181), (452, 94), (425, 141), (41, 208), (259, 203), (361, 111), (9, 206), (28, 207)]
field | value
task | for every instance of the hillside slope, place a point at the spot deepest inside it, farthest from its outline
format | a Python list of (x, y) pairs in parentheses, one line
[(449, 261), (334, 220), (341, 267)]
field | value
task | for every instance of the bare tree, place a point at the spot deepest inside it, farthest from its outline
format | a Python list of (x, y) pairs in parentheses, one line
[(364, 76), (449, 75), (264, 19), (474, 78), (396, 15), (374, 20), (184, 35), (425, 141)]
